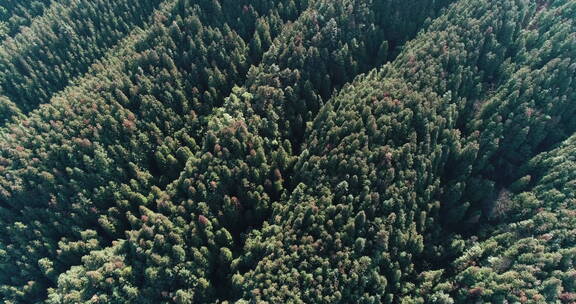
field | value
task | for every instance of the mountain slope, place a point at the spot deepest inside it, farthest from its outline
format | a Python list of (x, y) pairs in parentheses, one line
[(62, 44), (384, 161), (303, 151), (102, 140)]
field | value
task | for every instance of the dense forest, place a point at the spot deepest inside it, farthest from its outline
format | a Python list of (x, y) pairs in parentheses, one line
[(299, 151)]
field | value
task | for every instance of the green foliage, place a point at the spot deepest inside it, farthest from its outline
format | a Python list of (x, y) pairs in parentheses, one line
[(225, 151), (15, 14), (37, 63), (532, 244)]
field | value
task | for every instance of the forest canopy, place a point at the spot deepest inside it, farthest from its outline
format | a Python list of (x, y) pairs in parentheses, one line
[(301, 151)]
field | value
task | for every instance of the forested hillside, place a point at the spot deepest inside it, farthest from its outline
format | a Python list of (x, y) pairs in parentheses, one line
[(19, 13), (302, 151)]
